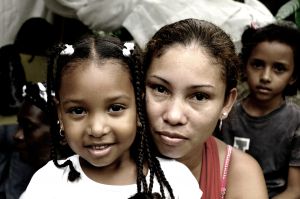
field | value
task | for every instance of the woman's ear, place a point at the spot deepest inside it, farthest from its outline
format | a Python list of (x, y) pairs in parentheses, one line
[(229, 102)]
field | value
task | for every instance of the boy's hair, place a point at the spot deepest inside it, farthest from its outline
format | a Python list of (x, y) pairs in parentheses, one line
[(94, 47), (284, 32)]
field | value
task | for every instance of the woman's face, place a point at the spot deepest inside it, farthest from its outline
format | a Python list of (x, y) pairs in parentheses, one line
[(185, 99)]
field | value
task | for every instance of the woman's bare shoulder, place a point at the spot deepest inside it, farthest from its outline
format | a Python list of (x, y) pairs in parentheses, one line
[(245, 177)]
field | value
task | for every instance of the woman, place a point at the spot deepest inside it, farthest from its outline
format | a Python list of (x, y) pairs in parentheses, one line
[(191, 77)]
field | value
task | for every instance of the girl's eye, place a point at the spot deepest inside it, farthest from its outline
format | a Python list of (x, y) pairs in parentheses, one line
[(77, 111), (116, 108)]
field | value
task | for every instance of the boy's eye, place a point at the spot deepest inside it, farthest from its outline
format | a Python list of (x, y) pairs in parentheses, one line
[(279, 68), (257, 64), (27, 127), (116, 108)]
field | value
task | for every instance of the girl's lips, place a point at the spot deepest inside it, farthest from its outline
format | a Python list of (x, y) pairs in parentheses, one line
[(100, 150)]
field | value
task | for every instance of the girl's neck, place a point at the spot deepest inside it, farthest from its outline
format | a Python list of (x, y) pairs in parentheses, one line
[(258, 108), (121, 173)]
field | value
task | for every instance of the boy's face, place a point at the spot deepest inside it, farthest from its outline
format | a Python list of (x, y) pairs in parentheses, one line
[(33, 137), (269, 70)]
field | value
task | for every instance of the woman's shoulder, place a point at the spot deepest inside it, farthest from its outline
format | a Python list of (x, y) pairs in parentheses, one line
[(245, 177)]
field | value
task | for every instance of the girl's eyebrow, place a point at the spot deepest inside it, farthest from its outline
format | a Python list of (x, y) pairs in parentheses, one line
[(112, 98)]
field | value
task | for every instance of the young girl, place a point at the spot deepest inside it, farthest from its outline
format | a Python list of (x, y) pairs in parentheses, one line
[(191, 76), (264, 123), (100, 112)]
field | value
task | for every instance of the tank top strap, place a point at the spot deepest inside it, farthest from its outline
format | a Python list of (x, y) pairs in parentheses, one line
[(225, 171)]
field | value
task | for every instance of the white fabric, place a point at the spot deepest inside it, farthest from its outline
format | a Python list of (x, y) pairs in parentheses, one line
[(142, 18), (150, 15), (13, 13), (51, 183), (106, 15)]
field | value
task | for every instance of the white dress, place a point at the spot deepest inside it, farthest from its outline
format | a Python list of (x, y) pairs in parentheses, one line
[(50, 182)]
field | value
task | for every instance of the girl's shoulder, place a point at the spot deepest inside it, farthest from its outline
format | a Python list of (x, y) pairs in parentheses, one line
[(176, 173)]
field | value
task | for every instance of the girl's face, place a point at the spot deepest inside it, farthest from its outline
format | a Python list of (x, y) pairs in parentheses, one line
[(98, 112), (185, 100), (269, 70)]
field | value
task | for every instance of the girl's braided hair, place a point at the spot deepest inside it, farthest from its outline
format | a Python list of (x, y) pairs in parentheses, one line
[(95, 47)]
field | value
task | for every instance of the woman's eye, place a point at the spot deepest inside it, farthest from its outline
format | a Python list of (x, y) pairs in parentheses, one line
[(200, 96), (159, 89), (116, 108)]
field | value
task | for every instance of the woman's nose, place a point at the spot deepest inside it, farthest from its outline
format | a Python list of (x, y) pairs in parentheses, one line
[(175, 113)]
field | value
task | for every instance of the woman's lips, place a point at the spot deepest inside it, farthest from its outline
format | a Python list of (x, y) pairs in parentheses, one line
[(171, 139)]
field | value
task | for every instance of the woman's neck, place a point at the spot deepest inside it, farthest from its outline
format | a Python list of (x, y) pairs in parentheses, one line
[(193, 161)]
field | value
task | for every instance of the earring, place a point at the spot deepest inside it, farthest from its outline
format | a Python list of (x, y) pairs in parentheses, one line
[(61, 132), (220, 124), (224, 115)]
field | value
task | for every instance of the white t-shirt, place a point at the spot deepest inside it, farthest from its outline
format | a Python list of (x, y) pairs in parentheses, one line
[(51, 182)]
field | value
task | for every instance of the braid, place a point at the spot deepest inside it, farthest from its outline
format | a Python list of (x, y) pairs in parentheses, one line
[(153, 163), (54, 127)]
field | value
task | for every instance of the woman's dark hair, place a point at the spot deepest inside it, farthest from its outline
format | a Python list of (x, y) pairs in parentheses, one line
[(93, 47), (283, 32), (203, 34)]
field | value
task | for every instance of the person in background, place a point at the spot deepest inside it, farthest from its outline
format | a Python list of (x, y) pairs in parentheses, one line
[(191, 76), (99, 109), (264, 123)]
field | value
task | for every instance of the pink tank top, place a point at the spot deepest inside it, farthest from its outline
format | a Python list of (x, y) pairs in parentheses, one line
[(212, 185)]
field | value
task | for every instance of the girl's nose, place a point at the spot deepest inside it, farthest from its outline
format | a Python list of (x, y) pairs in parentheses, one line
[(175, 113), (98, 126)]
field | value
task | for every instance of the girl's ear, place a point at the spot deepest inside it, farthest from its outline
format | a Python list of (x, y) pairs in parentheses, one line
[(228, 103), (58, 108)]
